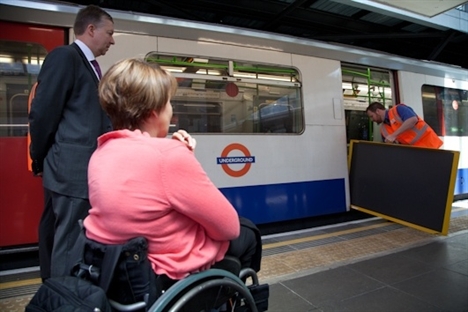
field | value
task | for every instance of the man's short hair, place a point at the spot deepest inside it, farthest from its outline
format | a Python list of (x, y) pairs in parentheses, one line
[(373, 107), (92, 14)]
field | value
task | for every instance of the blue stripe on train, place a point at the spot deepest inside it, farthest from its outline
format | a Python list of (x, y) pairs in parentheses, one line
[(461, 184), (288, 201)]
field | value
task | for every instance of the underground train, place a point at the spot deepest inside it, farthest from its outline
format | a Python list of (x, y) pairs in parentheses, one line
[(272, 115)]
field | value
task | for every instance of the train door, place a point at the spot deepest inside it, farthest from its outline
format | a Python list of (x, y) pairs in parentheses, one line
[(22, 50), (361, 86), (446, 111)]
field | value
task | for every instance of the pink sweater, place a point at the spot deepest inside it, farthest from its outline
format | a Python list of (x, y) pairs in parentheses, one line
[(156, 188)]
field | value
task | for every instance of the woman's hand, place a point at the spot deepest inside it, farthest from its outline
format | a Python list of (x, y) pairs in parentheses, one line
[(183, 136)]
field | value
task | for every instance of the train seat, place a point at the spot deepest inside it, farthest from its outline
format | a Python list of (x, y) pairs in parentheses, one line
[(126, 275)]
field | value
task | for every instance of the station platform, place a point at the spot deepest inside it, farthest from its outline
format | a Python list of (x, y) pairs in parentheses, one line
[(373, 265), (365, 265)]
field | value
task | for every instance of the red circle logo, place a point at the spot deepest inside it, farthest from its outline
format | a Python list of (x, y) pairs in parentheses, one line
[(247, 165)]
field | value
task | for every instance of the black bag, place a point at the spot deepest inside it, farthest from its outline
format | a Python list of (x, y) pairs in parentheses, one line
[(260, 293), (68, 294), (122, 271)]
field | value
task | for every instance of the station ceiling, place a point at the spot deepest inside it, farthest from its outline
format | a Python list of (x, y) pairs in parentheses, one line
[(325, 20)]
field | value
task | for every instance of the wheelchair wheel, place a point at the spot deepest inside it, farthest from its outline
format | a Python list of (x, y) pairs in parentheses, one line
[(235, 290), (205, 291)]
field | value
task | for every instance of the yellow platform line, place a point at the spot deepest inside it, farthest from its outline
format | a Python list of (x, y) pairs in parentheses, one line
[(322, 236), (32, 281), (35, 281)]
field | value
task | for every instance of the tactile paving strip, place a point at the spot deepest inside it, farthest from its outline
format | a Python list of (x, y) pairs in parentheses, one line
[(281, 263)]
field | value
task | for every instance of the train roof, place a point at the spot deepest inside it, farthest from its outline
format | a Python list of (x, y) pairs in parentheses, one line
[(62, 14)]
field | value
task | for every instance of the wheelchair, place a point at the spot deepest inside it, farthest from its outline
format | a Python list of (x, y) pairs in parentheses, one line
[(126, 275)]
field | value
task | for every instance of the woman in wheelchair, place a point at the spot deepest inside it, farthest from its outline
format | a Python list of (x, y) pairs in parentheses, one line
[(142, 184)]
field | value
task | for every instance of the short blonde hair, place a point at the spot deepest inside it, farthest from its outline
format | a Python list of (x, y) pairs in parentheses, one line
[(131, 89)]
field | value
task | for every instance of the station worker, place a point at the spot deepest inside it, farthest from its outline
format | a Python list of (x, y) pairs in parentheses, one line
[(65, 121), (400, 124)]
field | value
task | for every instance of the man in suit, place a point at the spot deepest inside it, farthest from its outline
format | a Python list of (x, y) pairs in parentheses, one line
[(65, 121)]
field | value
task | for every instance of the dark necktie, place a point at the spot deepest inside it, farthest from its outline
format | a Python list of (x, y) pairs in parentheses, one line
[(97, 68)]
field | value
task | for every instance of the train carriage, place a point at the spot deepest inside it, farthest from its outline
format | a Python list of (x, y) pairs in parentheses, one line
[(272, 114)]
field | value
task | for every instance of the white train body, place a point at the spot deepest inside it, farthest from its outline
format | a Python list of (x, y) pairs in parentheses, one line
[(291, 175)]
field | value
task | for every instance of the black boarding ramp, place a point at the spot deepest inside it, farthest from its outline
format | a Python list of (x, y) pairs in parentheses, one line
[(409, 185)]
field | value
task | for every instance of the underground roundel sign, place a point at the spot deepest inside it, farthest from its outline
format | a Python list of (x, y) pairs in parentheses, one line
[(226, 161)]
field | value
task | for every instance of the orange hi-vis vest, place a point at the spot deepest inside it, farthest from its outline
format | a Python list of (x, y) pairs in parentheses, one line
[(419, 135), (32, 94)]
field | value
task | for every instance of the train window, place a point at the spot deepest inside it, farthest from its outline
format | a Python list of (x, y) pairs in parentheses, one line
[(225, 96), (446, 110), (19, 66)]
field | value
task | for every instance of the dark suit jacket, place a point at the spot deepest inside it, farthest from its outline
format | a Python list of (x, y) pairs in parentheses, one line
[(65, 121)]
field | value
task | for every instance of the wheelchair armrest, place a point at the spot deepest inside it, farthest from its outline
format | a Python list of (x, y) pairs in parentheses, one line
[(248, 272)]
